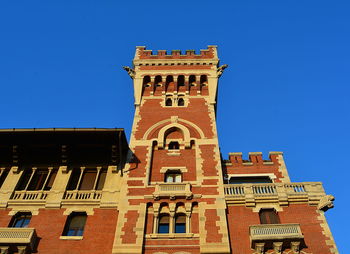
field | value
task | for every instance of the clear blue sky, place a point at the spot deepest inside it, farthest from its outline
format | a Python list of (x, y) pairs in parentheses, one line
[(286, 88)]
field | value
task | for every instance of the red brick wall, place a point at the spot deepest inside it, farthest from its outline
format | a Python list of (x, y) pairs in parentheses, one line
[(240, 218)]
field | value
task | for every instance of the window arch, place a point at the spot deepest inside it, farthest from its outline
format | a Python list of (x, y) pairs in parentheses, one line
[(192, 79), (146, 81), (181, 102), (203, 80), (75, 224), (158, 80), (181, 80)]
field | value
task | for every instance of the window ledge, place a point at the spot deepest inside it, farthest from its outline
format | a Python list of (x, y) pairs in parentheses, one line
[(65, 237), (171, 236)]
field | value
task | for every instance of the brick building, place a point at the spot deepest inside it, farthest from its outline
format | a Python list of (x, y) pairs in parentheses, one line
[(167, 191)]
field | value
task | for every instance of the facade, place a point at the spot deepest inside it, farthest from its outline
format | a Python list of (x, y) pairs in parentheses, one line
[(167, 191)]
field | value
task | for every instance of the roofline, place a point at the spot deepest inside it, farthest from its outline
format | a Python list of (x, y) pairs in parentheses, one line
[(61, 129)]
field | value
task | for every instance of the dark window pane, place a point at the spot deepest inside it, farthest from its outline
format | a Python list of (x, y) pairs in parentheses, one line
[(74, 178), (163, 224), (88, 179), (168, 102), (255, 179), (3, 176), (20, 220), (24, 179), (181, 102), (38, 180), (174, 145), (51, 180), (75, 224), (180, 224), (268, 216), (101, 179)]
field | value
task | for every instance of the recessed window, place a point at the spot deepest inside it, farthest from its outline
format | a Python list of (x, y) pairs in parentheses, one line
[(168, 102), (180, 223), (268, 216), (37, 179), (249, 179), (181, 102), (163, 224), (85, 179), (174, 145), (20, 220), (75, 224), (173, 177)]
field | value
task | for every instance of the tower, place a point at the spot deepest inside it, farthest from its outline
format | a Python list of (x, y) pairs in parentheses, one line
[(171, 191)]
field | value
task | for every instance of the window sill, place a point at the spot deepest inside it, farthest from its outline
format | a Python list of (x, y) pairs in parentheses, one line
[(64, 237), (171, 236)]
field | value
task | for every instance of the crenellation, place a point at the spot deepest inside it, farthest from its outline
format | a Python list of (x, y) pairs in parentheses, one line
[(255, 158), (143, 53)]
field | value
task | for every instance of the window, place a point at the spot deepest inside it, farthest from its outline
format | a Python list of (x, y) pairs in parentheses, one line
[(181, 80), (168, 102), (250, 179), (173, 177), (3, 174), (75, 224), (163, 224), (87, 179), (174, 145), (37, 179), (181, 102), (180, 223), (20, 220), (268, 216)]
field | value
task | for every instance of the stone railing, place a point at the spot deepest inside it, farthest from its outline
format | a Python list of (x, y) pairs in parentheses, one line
[(82, 195), (282, 192), (21, 237), (172, 190), (275, 236), (29, 195)]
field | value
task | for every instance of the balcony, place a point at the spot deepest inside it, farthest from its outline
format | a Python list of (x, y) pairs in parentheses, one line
[(81, 195), (29, 195), (283, 193), (276, 236), (172, 190), (24, 239)]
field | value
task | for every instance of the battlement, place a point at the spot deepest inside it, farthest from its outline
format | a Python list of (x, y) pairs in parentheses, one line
[(254, 158), (143, 53)]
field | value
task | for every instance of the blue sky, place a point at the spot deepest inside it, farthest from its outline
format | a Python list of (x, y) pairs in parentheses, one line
[(286, 88)]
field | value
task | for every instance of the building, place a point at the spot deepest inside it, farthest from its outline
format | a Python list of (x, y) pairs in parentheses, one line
[(167, 191)]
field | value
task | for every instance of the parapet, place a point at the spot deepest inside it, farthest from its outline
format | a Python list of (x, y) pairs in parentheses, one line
[(143, 53), (254, 158)]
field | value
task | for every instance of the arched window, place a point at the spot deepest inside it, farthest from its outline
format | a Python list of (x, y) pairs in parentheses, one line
[(204, 80), (75, 224), (268, 216), (181, 102), (173, 176), (192, 79), (180, 223), (181, 80), (168, 102), (174, 145), (163, 224), (158, 80), (20, 220), (146, 81)]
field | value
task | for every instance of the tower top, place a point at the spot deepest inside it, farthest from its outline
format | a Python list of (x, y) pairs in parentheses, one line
[(205, 54)]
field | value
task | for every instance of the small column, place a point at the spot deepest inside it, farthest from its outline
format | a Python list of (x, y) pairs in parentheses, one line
[(58, 189), (9, 185), (277, 247), (295, 246), (22, 249), (4, 249), (259, 248)]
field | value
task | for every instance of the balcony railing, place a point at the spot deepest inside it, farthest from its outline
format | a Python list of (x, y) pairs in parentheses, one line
[(82, 195), (275, 236), (18, 237), (29, 195), (172, 190), (308, 191)]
